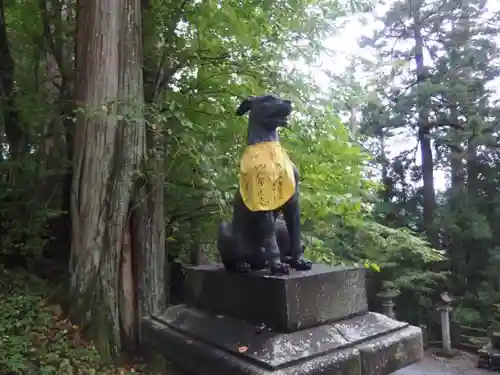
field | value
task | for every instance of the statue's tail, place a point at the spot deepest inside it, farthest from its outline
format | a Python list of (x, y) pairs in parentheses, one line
[(226, 244), (225, 230)]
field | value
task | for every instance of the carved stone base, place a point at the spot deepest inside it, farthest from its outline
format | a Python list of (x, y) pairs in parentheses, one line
[(204, 343)]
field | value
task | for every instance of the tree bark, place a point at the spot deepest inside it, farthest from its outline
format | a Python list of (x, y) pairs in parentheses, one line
[(472, 172), (115, 281), (456, 155), (424, 138), (16, 135), (149, 229)]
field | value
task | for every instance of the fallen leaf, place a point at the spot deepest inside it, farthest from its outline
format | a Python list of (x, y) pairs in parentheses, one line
[(242, 349)]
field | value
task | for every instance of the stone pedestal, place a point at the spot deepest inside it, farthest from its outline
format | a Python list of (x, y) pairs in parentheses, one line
[(298, 301), (311, 322)]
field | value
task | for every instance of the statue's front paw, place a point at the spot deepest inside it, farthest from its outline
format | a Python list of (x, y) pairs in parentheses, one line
[(279, 269), (301, 264), (258, 265), (242, 267)]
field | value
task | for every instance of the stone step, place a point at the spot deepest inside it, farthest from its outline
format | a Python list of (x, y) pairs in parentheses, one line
[(205, 343)]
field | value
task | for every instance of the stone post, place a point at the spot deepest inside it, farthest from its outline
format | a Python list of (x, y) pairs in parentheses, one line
[(445, 326)]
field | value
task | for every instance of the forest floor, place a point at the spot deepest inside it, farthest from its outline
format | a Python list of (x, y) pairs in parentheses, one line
[(35, 337)]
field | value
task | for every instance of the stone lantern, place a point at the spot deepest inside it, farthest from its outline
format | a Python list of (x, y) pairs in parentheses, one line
[(387, 297)]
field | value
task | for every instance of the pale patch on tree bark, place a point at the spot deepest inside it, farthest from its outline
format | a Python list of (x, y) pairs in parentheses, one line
[(127, 295), (149, 229), (109, 262)]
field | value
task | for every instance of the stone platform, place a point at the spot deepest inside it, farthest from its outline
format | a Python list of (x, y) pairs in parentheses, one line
[(281, 325)]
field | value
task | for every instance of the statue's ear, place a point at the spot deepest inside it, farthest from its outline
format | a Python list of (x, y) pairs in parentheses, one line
[(244, 107)]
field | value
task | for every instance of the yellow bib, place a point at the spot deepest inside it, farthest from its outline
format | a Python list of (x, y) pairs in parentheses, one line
[(266, 177)]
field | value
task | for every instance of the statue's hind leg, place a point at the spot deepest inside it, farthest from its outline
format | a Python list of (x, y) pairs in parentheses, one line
[(242, 249), (231, 252)]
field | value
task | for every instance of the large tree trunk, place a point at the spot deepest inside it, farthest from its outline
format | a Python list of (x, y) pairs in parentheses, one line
[(115, 272), (16, 135), (424, 138), (456, 154), (472, 172)]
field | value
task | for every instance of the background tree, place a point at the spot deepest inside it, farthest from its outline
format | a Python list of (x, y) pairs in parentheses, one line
[(437, 65)]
